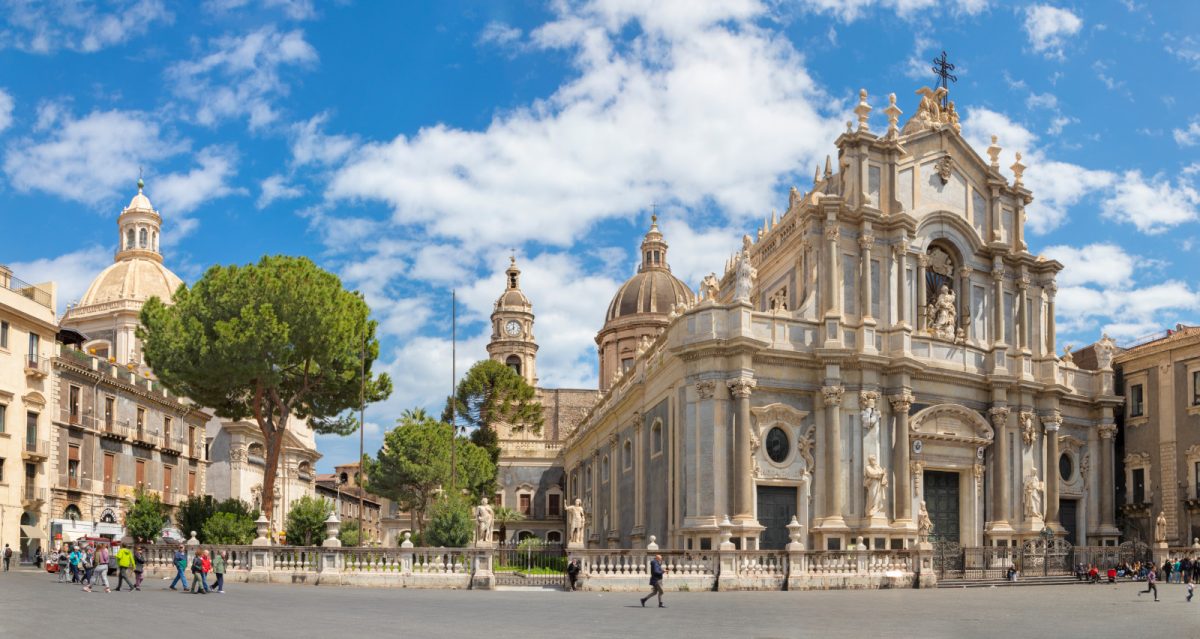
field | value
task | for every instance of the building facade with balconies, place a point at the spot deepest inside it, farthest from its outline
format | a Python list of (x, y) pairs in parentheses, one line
[(27, 329), (117, 431)]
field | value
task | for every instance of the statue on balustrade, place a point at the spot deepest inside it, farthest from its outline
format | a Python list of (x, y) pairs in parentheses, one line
[(1160, 528), (943, 314), (575, 523), (924, 523), (875, 479), (484, 517), (745, 274)]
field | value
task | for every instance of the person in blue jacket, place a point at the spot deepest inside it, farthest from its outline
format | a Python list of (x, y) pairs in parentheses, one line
[(180, 562), (656, 577)]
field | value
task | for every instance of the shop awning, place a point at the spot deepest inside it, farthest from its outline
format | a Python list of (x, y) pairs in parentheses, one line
[(32, 533)]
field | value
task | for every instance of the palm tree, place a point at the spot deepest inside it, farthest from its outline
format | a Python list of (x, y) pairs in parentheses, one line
[(414, 414), (503, 515)]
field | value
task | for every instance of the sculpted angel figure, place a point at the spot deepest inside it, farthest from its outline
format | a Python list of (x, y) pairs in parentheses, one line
[(709, 287), (745, 273), (870, 414), (943, 313)]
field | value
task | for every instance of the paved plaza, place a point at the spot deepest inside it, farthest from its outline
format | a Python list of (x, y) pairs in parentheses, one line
[(35, 605)]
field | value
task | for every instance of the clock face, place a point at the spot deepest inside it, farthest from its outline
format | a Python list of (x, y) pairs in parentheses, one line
[(513, 328)]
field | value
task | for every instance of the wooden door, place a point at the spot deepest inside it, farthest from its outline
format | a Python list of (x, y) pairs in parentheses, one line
[(110, 463), (140, 477)]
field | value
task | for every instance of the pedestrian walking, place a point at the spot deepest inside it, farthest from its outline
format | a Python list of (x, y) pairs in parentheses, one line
[(218, 566), (7, 556), (124, 567), (1151, 584), (37, 557), (87, 565), (179, 560), (573, 574), (102, 558), (1190, 587), (656, 577), (64, 564), (139, 565), (199, 584), (76, 561)]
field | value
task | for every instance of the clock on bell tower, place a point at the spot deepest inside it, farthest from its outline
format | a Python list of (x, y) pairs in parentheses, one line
[(512, 342)]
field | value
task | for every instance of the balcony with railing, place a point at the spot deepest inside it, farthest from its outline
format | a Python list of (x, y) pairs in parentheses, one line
[(33, 496), (74, 484), (110, 487), (172, 444), (145, 437), (36, 366), (35, 449), (114, 429), (24, 289), (77, 417)]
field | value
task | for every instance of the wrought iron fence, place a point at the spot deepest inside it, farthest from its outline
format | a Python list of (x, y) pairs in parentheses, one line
[(530, 558)]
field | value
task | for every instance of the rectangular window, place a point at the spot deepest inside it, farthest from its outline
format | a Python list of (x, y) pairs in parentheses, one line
[(191, 483), (554, 505), (73, 404), (497, 500), (31, 429), (626, 363), (166, 430), (1196, 471), (1139, 485), (1195, 395), (876, 276), (1, 470), (73, 466), (141, 421), (850, 284), (110, 406), (110, 473), (1136, 407), (4, 335), (192, 441), (140, 472), (3, 417), (34, 342), (168, 473), (525, 501)]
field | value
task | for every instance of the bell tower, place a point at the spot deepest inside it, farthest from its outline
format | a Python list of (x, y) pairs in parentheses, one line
[(512, 342)]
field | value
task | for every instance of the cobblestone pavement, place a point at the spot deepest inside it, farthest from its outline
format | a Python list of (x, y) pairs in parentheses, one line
[(35, 606)]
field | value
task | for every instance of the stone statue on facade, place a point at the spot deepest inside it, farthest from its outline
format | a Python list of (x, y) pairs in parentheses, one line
[(924, 523), (575, 523), (1028, 429), (870, 414), (1160, 528), (709, 287), (745, 274), (1034, 496), (943, 314), (1104, 352), (1068, 358), (484, 518), (875, 480)]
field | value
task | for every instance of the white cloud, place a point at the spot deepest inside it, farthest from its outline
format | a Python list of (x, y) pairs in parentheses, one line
[(294, 9), (1186, 49), (178, 194), (87, 159), (1049, 28), (1103, 264), (1153, 205), (71, 272), (499, 33), (703, 107), (242, 75), (1056, 185), (851, 10), (1189, 136), (6, 110), (274, 188), (77, 25), (1042, 101), (311, 145)]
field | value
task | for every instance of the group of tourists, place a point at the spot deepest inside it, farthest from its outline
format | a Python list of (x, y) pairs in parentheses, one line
[(92, 564)]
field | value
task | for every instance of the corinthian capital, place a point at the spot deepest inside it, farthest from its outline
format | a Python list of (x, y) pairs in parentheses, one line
[(831, 231), (999, 415), (901, 402), (865, 241), (832, 395), (1108, 431), (740, 387), (705, 388), (1052, 422)]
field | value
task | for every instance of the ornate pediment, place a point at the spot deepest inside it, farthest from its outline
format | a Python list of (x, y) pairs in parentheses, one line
[(1137, 459), (777, 414), (953, 423)]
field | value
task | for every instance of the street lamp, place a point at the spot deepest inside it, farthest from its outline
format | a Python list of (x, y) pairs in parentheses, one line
[(1047, 537)]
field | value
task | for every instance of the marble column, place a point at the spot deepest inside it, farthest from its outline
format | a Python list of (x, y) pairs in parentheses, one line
[(835, 485), (1051, 425), (998, 281), (901, 403), (1108, 434), (1051, 337), (899, 251), (614, 462), (833, 303), (743, 497), (999, 415), (922, 301), (639, 478)]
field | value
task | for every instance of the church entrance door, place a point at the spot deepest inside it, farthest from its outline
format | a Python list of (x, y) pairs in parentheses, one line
[(1068, 513), (776, 507), (941, 500)]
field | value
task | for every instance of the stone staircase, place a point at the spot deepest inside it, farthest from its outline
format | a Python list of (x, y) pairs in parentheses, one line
[(1063, 580)]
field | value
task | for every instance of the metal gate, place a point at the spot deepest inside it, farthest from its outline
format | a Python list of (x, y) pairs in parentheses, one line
[(948, 559), (530, 563)]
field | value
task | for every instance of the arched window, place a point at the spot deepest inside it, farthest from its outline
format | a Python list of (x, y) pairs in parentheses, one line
[(627, 455), (554, 537), (72, 512), (142, 238), (525, 534), (656, 442), (514, 363), (129, 239), (604, 470)]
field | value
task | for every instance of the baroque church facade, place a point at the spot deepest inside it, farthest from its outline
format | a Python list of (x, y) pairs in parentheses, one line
[(877, 362)]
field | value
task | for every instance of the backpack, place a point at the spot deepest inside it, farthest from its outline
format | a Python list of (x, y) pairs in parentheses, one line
[(8, 553)]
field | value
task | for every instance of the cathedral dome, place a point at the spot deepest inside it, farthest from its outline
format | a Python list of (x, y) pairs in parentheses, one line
[(132, 279), (653, 289)]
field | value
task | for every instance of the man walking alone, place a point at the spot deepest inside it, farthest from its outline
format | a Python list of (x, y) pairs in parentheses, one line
[(124, 566), (1151, 583), (656, 577)]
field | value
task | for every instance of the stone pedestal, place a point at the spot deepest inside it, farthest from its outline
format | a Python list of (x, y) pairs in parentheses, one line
[(1159, 551), (262, 526), (482, 577)]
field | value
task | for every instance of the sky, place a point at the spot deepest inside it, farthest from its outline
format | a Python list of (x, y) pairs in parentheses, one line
[(409, 147)]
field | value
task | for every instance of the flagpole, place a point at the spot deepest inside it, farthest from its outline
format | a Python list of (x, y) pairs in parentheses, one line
[(453, 377)]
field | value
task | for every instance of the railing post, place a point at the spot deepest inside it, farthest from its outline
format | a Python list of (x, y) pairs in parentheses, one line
[(727, 575), (260, 556), (482, 577), (797, 564), (330, 568)]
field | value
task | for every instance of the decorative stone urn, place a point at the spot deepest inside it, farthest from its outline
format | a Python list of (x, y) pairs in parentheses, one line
[(333, 526), (262, 525)]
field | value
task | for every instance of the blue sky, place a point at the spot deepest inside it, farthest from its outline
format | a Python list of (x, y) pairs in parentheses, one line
[(408, 146)]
